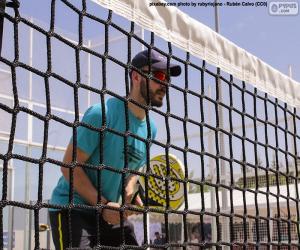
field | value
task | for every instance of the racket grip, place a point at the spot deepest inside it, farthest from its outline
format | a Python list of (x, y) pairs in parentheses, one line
[(134, 197)]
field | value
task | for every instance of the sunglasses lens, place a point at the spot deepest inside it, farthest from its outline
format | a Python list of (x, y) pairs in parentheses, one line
[(160, 75)]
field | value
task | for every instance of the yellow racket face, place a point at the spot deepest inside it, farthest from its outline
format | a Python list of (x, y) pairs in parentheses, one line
[(157, 186)]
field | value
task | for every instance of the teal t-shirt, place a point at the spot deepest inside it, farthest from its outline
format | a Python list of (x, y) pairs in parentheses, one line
[(88, 140)]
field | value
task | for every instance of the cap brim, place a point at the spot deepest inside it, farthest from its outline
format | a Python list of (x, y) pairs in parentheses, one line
[(175, 69)]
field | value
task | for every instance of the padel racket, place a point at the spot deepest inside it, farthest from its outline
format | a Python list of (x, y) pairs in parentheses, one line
[(157, 186)]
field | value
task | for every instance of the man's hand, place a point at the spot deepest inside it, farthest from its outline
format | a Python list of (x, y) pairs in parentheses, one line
[(112, 216), (137, 201), (130, 198), (130, 191)]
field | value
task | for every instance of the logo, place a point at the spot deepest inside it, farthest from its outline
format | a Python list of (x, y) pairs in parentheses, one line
[(274, 8), (283, 8)]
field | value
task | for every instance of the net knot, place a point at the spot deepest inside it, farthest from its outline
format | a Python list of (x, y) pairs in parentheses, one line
[(13, 4), (125, 170), (83, 12), (76, 124), (3, 203), (48, 117), (103, 91), (38, 205), (145, 246), (122, 247), (101, 166), (105, 55), (77, 84), (7, 156), (50, 33), (103, 128), (127, 133), (79, 46), (70, 206), (43, 160), (149, 141), (48, 74), (73, 164)]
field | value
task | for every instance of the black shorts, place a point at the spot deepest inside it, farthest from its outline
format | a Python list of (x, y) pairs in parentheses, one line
[(84, 231)]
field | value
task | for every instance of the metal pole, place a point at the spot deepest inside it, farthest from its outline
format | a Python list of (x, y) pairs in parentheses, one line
[(212, 172), (147, 214), (291, 123), (27, 241), (291, 128), (89, 73), (290, 71), (2, 11), (271, 227), (143, 37), (182, 230), (217, 24), (30, 227), (48, 231), (148, 229), (224, 179), (11, 183)]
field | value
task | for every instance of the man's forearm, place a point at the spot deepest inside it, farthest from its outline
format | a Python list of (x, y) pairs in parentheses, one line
[(83, 186)]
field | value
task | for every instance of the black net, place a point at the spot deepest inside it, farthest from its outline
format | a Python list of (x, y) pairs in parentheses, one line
[(238, 145)]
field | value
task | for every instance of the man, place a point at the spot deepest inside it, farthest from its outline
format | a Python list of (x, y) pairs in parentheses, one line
[(158, 239), (90, 150)]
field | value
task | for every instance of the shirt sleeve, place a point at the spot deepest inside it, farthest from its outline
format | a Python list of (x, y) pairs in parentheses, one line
[(88, 138), (153, 131)]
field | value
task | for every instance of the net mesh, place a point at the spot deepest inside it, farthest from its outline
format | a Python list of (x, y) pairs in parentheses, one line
[(239, 145)]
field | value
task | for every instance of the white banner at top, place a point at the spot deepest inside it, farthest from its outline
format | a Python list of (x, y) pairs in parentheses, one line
[(201, 41)]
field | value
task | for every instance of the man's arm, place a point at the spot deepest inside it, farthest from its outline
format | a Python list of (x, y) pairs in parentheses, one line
[(82, 183), (84, 186)]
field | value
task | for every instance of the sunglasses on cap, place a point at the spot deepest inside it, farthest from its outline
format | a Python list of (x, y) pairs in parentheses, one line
[(160, 75)]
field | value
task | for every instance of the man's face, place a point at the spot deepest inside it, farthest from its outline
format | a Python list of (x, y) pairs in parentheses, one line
[(157, 91)]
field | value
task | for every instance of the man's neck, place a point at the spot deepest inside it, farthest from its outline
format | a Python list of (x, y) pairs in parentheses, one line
[(136, 110)]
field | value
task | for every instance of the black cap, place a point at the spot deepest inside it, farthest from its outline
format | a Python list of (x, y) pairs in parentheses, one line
[(158, 61)]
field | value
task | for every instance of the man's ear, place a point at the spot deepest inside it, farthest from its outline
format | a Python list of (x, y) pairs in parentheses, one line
[(135, 79), (135, 76)]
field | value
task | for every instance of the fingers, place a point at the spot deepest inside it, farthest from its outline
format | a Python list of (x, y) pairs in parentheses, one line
[(139, 204), (133, 198), (115, 219), (131, 212), (112, 216), (135, 201), (138, 201)]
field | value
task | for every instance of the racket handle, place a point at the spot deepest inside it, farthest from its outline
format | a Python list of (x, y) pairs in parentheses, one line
[(134, 197)]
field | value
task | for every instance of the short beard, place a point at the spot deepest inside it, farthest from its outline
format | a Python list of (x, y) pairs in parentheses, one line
[(144, 94)]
